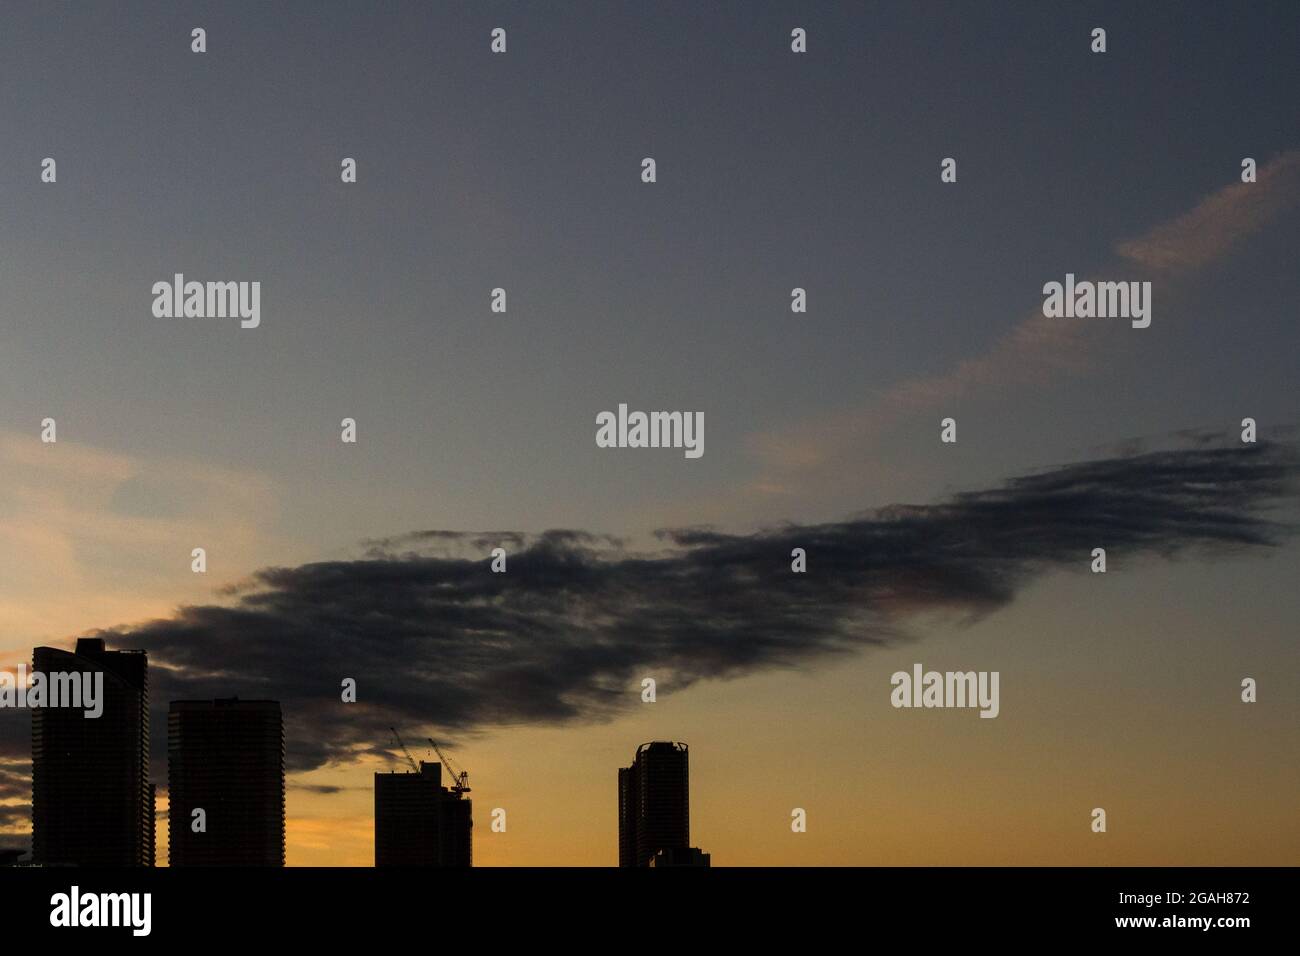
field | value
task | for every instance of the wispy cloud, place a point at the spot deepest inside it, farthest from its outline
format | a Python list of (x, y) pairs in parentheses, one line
[(15, 794), (1220, 221), (1038, 351), (324, 789), (98, 532)]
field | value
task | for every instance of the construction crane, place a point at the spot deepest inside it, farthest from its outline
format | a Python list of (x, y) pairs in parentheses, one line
[(406, 753), (461, 777)]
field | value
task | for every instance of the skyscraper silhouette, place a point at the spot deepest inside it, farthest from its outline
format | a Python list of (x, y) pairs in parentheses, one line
[(654, 811), (225, 757), (92, 803), (419, 822)]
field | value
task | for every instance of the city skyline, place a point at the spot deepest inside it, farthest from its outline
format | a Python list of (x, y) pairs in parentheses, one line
[(225, 778)]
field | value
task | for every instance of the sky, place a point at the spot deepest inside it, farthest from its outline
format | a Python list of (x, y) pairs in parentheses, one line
[(775, 170)]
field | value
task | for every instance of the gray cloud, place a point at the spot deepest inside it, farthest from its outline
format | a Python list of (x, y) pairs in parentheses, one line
[(321, 788), (437, 641), (15, 780), (14, 817)]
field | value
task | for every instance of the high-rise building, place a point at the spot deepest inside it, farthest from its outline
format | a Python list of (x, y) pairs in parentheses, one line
[(654, 808), (419, 822), (92, 803), (225, 757)]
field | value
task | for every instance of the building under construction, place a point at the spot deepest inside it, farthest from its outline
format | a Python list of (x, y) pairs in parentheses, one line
[(418, 821)]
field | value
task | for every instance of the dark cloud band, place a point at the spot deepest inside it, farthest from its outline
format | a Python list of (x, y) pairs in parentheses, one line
[(434, 639)]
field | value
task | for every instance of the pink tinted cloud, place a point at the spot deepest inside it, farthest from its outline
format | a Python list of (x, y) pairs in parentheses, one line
[(1039, 350)]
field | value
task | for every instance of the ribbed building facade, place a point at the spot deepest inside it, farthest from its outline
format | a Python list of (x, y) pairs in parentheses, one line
[(226, 758), (654, 807), (92, 802)]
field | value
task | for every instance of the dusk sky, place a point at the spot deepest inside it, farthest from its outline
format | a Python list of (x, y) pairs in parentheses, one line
[(774, 171)]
